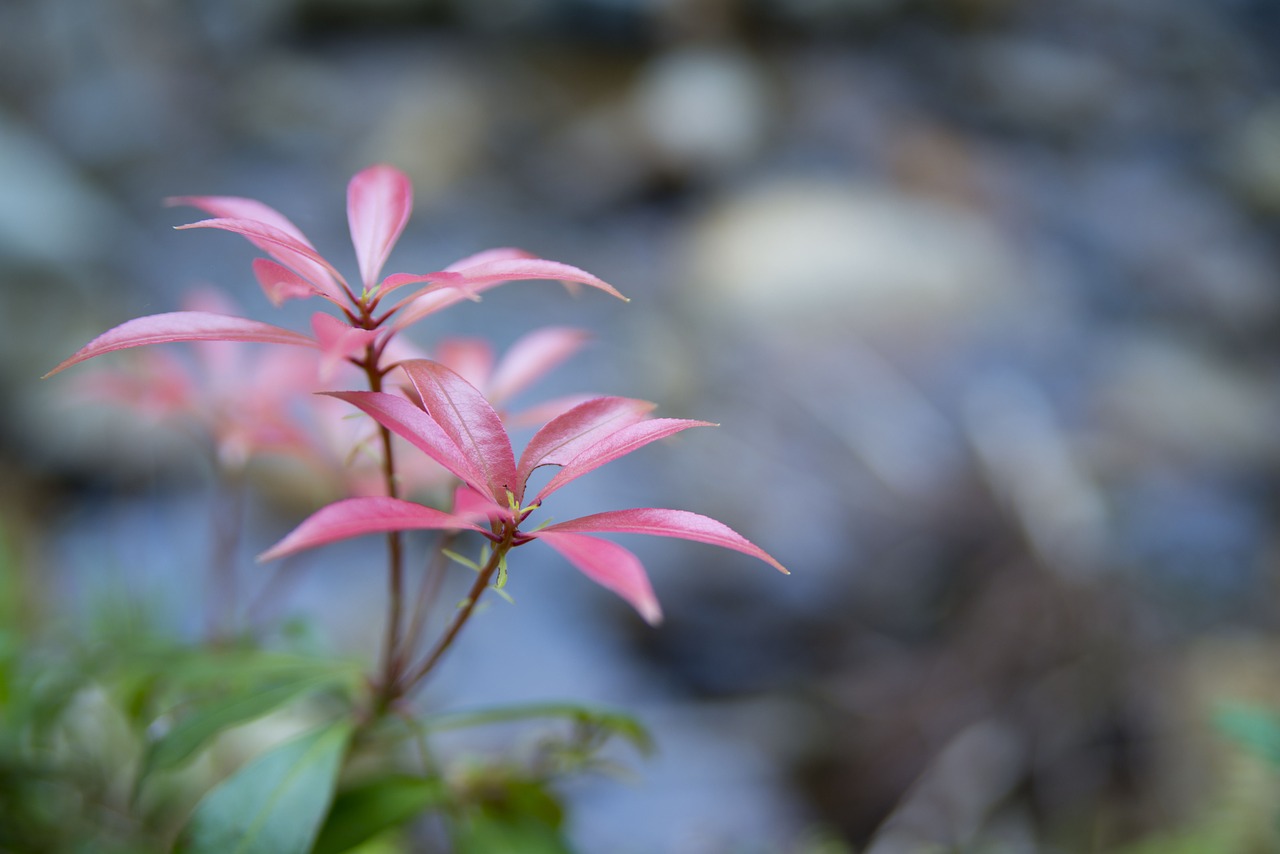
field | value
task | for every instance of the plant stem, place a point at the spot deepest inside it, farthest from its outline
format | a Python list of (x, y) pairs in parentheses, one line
[(392, 657), (430, 589), (228, 527), (460, 618)]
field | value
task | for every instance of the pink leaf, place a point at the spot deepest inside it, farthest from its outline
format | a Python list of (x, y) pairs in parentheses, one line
[(614, 445), (379, 201), (474, 505), (338, 340), (157, 385), (429, 301), (470, 358), (533, 356), (440, 277), (518, 269), (236, 207), (477, 431), (353, 517), (408, 421), (450, 274), (540, 413), (280, 283), (568, 435), (222, 362), (611, 566), (664, 523), (483, 257), (183, 326), (456, 284), (296, 254)]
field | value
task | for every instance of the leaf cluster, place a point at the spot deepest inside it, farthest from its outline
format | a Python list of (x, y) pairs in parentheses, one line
[(134, 743)]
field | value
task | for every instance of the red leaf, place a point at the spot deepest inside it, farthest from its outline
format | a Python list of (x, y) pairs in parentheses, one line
[(430, 300), (532, 356), (338, 340), (568, 435), (611, 566), (519, 269), (468, 419), (280, 283), (237, 207), (234, 207), (404, 419), (354, 517), (379, 201), (504, 253), (296, 254), (469, 358), (456, 284), (183, 326), (614, 445), (665, 523)]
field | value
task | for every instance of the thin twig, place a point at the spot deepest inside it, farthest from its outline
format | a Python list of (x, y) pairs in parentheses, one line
[(460, 618), (429, 592)]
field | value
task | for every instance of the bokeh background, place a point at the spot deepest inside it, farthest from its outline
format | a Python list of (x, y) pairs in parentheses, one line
[(984, 293)]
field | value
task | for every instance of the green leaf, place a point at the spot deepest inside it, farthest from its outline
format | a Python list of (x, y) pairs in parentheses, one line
[(457, 558), (361, 813), (197, 729), (200, 668), (616, 723), (485, 834), (514, 815), (502, 572), (507, 597), (276, 803)]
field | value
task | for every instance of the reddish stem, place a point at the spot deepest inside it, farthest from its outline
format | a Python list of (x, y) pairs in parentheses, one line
[(464, 613)]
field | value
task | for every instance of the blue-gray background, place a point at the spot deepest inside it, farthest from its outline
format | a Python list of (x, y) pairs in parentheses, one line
[(983, 292)]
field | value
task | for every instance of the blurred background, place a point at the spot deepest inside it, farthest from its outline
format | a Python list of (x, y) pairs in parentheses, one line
[(983, 292)]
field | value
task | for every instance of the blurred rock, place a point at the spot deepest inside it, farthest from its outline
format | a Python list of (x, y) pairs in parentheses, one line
[(701, 110), (1197, 544), (820, 15), (295, 103), (49, 213), (435, 126), (1040, 86), (848, 256), (1251, 157), (1170, 398), (1028, 459), (887, 422), (951, 801), (1174, 242)]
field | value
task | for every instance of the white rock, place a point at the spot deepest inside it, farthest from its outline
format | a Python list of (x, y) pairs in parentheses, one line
[(856, 255), (702, 108)]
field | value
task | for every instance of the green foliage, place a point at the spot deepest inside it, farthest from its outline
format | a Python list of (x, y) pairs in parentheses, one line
[(1242, 816), (362, 812), (100, 737), (595, 725), (507, 813), (1256, 730), (275, 804), (114, 739), (245, 691)]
